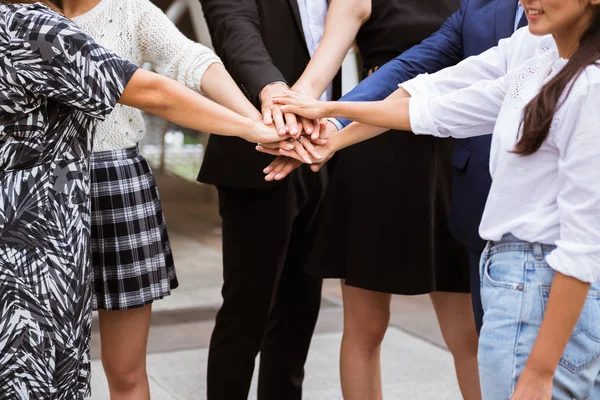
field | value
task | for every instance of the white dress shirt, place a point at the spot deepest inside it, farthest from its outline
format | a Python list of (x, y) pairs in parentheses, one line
[(313, 14), (551, 196)]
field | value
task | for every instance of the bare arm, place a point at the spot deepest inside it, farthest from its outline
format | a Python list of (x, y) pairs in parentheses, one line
[(170, 100), (220, 87), (344, 19)]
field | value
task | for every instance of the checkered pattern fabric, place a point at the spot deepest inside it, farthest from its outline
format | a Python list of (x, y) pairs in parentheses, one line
[(131, 255)]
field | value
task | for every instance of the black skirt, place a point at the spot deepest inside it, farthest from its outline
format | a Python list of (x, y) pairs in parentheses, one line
[(384, 218)]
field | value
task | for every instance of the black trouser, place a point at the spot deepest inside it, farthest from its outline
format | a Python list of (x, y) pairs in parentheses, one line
[(270, 305), (476, 289)]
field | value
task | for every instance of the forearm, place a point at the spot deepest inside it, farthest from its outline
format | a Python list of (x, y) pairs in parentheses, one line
[(220, 87), (174, 102), (354, 133), (567, 298), (344, 19), (391, 113)]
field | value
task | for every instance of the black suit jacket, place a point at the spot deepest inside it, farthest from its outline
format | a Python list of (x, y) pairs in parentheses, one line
[(259, 41)]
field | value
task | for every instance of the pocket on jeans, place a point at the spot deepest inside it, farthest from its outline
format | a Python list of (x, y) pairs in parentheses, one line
[(502, 272), (583, 348)]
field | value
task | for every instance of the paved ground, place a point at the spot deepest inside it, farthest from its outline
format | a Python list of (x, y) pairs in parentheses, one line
[(416, 364)]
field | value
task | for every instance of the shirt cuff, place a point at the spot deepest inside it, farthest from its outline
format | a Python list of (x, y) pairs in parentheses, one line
[(577, 261), (337, 123), (420, 86), (421, 120)]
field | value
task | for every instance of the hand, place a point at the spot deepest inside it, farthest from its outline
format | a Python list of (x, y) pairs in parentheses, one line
[(272, 113), (262, 133), (533, 386), (304, 150), (301, 104)]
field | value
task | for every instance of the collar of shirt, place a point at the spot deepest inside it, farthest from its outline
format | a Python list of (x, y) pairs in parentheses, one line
[(520, 13)]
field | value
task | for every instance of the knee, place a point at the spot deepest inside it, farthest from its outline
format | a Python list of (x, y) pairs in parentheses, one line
[(462, 341), (124, 377), (367, 335)]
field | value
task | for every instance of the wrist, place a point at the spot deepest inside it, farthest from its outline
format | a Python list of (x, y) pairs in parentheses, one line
[(328, 108), (541, 369), (266, 91)]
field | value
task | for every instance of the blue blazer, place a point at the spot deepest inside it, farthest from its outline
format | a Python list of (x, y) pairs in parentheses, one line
[(476, 27)]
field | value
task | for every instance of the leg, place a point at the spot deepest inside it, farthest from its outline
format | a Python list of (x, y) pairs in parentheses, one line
[(124, 338), (455, 316), (256, 230), (474, 259), (294, 313), (366, 318)]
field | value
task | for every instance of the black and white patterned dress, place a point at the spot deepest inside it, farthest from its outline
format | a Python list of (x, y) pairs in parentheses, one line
[(55, 83)]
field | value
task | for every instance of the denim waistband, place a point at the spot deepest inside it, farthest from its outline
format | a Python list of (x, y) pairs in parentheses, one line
[(511, 243), (112, 155)]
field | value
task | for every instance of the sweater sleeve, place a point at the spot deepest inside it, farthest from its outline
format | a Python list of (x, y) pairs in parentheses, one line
[(169, 51)]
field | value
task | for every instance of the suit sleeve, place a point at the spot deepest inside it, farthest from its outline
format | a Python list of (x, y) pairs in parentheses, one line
[(442, 49), (235, 30)]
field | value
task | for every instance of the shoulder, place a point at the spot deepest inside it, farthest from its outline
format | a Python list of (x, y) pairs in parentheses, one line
[(587, 83)]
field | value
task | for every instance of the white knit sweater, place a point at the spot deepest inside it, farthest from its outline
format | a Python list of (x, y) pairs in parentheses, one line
[(140, 32)]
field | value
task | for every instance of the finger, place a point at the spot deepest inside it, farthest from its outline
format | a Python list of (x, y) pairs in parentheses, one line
[(293, 154), (316, 129), (301, 150), (270, 167), (280, 163), (278, 118), (267, 116), (287, 169), (273, 152), (292, 124), (309, 148), (316, 167), (284, 144), (307, 125), (319, 142)]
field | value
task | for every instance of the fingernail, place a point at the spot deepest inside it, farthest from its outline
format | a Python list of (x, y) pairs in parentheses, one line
[(289, 147), (319, 156), (277, 176)]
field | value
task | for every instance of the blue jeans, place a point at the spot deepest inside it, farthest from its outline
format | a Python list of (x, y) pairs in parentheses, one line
[(515, 285)]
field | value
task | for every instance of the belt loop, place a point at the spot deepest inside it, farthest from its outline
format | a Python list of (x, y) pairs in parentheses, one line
[(537, 251)]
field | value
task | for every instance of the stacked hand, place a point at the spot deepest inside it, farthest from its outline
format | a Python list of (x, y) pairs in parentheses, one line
[(302, 137), (286, 122), (305, 150)]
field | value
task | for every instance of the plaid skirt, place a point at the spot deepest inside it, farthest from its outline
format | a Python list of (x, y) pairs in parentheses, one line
[(132, 261)]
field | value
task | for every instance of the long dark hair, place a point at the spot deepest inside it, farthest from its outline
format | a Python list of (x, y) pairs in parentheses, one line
[(48, 3), (538, 114)]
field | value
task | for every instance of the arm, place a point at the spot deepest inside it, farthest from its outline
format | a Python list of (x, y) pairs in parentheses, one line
[(67, 66), (236, 35), (576, 258), (344, 19), (462, 113), (172, 101), (489, 65), (442, 49), (172, 54)]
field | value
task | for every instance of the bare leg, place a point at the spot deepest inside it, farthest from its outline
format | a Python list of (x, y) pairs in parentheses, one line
[(455, 316), (124, 336), (366, 318)]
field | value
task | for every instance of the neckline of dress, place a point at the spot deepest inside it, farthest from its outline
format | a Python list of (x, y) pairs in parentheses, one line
[(92, 13)]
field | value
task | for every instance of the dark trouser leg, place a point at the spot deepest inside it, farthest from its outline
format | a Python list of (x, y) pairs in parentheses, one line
[(296, 308), (257, 228), (476, 289)]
